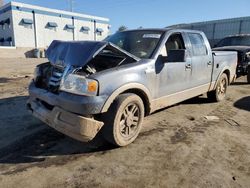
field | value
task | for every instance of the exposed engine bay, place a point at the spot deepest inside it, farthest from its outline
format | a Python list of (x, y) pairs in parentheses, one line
[(81, 58)]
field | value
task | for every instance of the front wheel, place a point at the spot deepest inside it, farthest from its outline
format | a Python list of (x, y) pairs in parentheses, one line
[(123, 121), (219, 93), (248, 74)]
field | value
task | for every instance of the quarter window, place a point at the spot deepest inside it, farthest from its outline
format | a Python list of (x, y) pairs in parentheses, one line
[(198, 45)]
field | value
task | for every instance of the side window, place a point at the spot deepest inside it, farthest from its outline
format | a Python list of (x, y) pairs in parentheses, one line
[(198, 45), (175, 42)]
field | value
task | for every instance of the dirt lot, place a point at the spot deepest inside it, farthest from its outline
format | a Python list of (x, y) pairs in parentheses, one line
[(178, 147)]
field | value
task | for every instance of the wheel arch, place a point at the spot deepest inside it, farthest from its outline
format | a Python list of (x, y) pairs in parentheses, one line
[(135, 88), (227, 71)]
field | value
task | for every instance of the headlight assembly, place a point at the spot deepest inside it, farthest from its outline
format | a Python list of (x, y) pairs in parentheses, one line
[(79, 85)]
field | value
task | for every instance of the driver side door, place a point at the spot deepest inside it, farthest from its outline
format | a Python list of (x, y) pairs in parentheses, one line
[(173, 77)]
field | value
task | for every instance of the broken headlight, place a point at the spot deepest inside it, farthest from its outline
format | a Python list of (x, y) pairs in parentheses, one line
[(79, 85)]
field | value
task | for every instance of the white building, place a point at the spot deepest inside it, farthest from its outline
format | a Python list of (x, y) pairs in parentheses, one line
[(24, 25)]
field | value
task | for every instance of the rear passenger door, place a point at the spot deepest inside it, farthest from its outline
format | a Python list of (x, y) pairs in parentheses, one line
[(201, 59)]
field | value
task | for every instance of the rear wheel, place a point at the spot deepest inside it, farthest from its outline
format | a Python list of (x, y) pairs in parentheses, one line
[(123, 120), (248, 74), (219, 93)]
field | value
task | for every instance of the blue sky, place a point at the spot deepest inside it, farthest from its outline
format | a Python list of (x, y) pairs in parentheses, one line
[(152, 13)]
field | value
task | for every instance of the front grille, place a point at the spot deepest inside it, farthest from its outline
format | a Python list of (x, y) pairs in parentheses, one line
[(55, 79)]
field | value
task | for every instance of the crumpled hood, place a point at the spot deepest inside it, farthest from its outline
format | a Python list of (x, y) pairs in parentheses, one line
[(79, 53)]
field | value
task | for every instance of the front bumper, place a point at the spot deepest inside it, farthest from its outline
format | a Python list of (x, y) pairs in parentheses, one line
[(76, 126), (84, 105)]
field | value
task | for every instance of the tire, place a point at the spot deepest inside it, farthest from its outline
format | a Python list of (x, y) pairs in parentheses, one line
[(248, 74), (219, 93), (123, 121)]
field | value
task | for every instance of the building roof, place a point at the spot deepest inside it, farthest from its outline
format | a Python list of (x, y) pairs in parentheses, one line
[(48, 11), (211, 21)]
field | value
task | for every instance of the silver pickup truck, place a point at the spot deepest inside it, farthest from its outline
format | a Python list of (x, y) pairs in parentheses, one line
[(109, 86)]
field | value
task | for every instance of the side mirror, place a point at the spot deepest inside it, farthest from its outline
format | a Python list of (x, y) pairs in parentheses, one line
[(176, 55), (163, 59)]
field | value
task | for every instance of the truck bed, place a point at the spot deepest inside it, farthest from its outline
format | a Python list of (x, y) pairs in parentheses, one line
[(223, 60)]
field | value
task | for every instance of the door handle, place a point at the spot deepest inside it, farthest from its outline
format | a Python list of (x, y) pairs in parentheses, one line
[(188, 66), (209, 63)]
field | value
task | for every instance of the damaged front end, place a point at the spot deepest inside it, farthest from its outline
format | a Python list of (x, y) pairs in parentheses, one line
[(71, 63), (64, 91)]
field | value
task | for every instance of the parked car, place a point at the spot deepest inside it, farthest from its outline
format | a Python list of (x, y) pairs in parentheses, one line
[(109, 86), (241, 44)]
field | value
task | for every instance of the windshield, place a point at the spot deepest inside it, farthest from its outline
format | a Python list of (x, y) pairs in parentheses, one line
[(139, 43), (235, 41)]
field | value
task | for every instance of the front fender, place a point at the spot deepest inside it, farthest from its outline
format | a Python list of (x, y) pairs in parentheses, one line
[(124, 88)]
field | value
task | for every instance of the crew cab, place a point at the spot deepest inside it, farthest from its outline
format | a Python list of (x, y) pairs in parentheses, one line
[(241, 44), (107, 87)]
